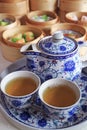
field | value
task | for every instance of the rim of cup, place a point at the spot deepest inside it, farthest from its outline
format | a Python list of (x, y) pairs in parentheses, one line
[(54, 82), (19, 74)]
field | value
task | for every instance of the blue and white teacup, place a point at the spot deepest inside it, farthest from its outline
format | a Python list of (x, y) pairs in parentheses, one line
[(19, 101), (59, 96)]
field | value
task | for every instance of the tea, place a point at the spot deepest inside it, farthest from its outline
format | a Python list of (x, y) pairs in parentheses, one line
[(59, 96), (20, 86)]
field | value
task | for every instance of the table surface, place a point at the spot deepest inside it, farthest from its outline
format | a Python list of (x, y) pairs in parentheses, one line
[(4, 123)]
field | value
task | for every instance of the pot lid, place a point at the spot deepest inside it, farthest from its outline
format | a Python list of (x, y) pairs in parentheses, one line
[(57, 44)]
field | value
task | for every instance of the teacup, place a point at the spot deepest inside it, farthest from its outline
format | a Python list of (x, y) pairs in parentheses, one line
[(19, 87), (59, 96)]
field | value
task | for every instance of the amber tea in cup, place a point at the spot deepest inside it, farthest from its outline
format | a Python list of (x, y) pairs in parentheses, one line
[(20, 86), (59, 94)]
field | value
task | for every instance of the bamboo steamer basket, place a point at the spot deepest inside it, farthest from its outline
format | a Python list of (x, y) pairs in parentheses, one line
[(70, 26), (15, 8), (6, 35), (10, 53), (50, 5), (66, 6), (15, 22), (10, 50), (69, 18), (45, 26)]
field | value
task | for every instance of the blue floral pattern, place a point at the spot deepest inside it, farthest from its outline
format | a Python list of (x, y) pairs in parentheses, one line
[(41, 63), (46, 75), (86, 88), (62, 48), (19, 103), (24, 116), (65, 46), (48, 45), (73, 118), (30, 64), (16, 103), (69, 65), (36, 116), (48, 67), (84, 108), (42, 122)]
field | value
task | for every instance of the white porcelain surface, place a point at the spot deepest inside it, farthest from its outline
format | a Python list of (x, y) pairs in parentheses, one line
[(5, 125)]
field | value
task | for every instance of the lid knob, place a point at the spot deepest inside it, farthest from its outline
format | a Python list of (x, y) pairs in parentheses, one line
[(58, 36)]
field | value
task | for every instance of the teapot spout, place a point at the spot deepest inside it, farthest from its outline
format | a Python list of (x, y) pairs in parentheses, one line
[(27, 48)]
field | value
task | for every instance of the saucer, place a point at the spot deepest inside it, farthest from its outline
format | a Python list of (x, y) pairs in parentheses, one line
[(35, 117)]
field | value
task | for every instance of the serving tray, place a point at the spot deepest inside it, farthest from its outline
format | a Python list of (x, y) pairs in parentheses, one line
[(35, 118)]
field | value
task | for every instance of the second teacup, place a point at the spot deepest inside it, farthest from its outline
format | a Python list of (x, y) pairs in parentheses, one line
[(59, 95)]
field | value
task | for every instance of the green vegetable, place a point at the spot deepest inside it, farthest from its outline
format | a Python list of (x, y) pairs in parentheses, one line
[(45, 17), (2, 23), (24, 36), (36, 17), (15, 39)]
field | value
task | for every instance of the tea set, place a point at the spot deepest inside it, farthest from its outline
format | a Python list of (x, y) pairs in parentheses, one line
[(54, 60), (37, 116), (53, 56)]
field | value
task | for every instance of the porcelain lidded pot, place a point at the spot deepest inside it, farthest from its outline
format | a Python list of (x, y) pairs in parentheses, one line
[(53, 56)]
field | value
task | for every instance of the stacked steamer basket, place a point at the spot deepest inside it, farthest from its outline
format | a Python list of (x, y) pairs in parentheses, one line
[(13, 39), (7, 21), (72, 30), (46, 5), (78, 8), (18, 8), (42, 19), (14, 10), (79, 18), (50, 5), (66, 6)]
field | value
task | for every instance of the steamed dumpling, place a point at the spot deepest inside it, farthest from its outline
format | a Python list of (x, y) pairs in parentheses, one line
[(20, 41), (28, 36), (23, 37)]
